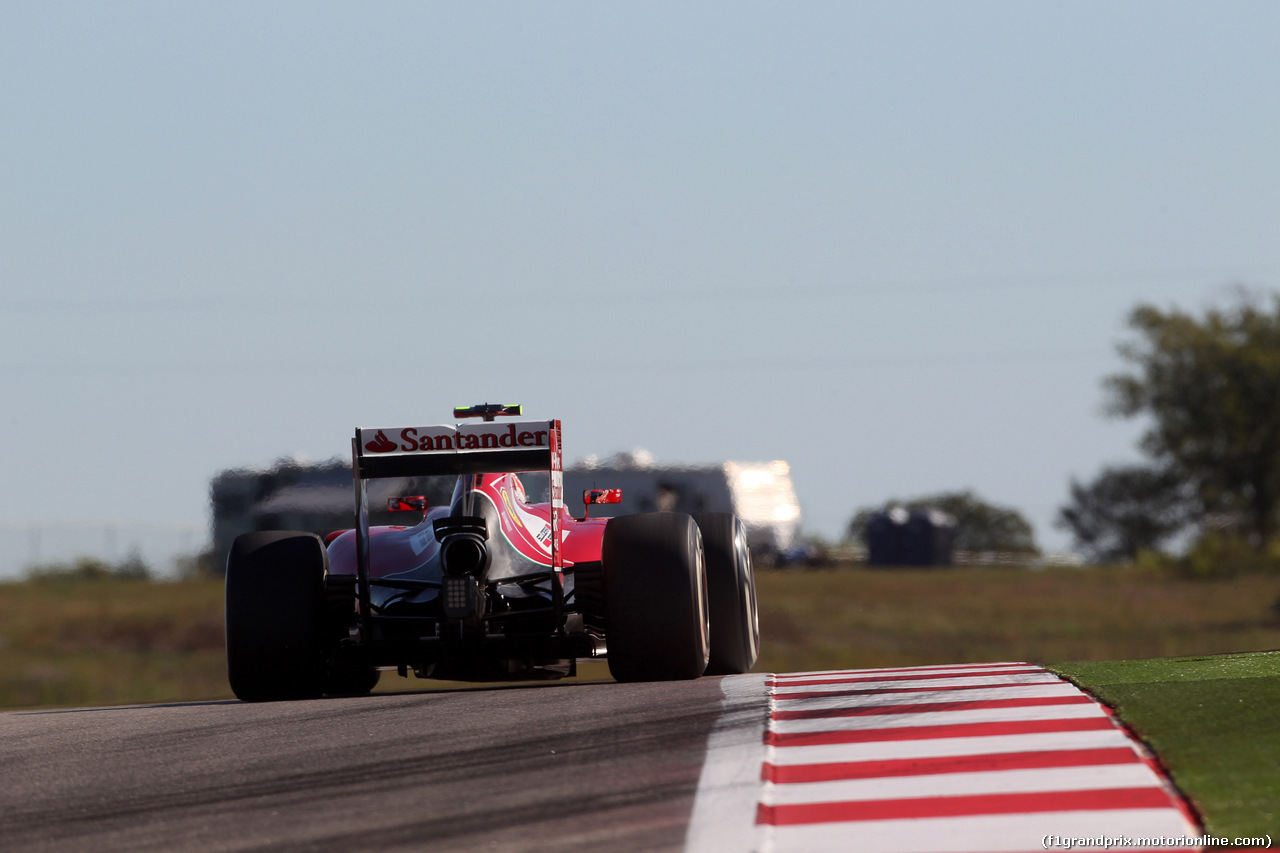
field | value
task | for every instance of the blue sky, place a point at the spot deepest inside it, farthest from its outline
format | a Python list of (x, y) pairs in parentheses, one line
[(892, 243)]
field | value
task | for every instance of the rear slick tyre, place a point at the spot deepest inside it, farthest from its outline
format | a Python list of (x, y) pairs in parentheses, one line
[(655, 590), (731, 593), (275, 616)]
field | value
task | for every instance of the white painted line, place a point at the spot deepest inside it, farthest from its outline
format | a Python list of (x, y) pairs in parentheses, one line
[(968, 694), (941, 747), (724, 809), (937, 718)]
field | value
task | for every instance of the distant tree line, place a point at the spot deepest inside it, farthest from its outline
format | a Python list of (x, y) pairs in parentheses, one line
[(132, 567), (1209, 387), (980, 526)]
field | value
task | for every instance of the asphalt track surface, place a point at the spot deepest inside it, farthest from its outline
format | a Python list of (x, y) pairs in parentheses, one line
[(1001, 756), (595, 766)]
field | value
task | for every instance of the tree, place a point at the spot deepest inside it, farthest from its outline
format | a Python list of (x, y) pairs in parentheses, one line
[(1126, 510), (1211, 387), (980, 526)]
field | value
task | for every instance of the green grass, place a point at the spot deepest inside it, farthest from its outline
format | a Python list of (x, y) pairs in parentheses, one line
[(857, 617), (107, 641), (1215, 724)]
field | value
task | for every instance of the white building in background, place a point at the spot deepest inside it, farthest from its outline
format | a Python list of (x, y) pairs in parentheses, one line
[(319, 497), (760, 493)]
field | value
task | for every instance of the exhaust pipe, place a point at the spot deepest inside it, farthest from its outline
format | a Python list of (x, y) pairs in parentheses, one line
[(464, 554), (464, 559)]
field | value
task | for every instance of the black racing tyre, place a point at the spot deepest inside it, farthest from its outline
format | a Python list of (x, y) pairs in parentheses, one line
[(275, 616), (350, 681), (655, 591), (731, 593)]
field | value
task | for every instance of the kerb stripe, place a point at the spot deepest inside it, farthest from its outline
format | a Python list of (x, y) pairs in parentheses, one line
[(861, 679), (787, 774), (969, 705), (967, 806), (936, 688), (894, 670), (1012, 727)]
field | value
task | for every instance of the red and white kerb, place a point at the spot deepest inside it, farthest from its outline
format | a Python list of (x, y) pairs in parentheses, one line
[(979, 757)]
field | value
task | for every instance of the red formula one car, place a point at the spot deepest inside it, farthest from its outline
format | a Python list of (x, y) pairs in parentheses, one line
[(490, 587)]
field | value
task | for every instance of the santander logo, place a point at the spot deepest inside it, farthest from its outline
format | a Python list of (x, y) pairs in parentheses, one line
[(380, 444), (448, 439)]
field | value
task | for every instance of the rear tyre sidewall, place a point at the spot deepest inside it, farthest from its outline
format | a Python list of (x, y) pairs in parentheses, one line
[(275, 615), (655, 589), (731, 591)]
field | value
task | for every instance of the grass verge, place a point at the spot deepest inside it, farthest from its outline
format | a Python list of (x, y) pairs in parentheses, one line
[(78, 641), (108, 641), (1213, 721), (858, 617)]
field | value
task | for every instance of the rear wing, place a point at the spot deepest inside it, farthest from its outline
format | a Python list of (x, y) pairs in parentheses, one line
[(478, 448), (444, 449)]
